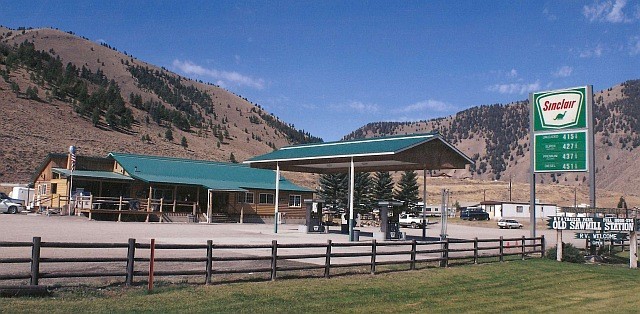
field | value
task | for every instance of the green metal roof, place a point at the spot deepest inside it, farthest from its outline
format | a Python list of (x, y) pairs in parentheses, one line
[(390, 153), (209, 174), (362, 147), (108, 175)]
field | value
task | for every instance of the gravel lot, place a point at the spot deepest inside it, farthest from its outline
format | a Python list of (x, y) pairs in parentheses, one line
[(80, 229)]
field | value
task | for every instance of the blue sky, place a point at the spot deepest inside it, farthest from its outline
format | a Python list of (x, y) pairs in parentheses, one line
[(330, 67)]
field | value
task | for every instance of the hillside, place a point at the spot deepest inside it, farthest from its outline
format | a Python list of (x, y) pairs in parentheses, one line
[(496, 137), (58, 89)]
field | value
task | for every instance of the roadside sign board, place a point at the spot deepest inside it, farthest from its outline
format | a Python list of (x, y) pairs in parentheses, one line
[(592, 223), (608, 236), (560, 109), (561, 151), (560, 130)]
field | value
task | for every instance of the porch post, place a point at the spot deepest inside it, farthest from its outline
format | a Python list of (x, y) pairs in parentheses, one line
[(175, 195), (277, 200), (149, 198), (351, 188), (197, 204)]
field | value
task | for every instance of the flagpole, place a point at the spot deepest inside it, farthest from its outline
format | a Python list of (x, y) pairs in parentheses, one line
[(72, 154)]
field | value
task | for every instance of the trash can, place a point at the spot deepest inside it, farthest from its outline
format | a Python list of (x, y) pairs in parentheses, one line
[(356, 235)]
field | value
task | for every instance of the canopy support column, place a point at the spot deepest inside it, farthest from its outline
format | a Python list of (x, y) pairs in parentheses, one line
[(351, 188), (277, 200), (424, 203), (209, 206)]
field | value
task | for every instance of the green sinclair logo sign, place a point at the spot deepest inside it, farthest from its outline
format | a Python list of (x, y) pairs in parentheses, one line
[(560, 109)]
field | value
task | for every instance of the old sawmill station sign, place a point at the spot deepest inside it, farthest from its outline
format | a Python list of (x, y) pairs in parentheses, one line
[(592, 223)]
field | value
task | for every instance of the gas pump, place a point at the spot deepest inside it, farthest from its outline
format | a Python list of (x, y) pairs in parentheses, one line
[(314, 215), (390, 219)]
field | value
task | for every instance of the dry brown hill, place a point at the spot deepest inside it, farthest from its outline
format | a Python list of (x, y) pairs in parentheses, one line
[(33, 128), (480, 131)]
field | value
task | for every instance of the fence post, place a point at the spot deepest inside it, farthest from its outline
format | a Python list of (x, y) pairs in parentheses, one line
[(35, 260), (373, 256), (475, 250), (152, 258), (413, 254), (131, 254), (327, 260), (444, 262), (209, 261), (523, 247), (542, 245), (274, 258), (501, 249)]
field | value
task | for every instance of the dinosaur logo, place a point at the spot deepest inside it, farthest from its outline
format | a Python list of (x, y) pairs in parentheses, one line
[(560, 109), (560, 116)]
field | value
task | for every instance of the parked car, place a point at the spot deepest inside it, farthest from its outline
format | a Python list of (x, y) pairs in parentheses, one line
[(4, 196), (509, 224), (9, 206), (474, 214), (411, 220)]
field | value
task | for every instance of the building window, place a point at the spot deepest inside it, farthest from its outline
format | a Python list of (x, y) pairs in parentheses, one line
[(245, 197), (519, 209), (54, 188), (295, 201), (266, 198), (42, 189)]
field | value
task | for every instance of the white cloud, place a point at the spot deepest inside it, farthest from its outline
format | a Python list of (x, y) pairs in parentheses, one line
[(563, 71), (223, 78), (363, 108), (427, 105), (594, 52), (634, 46), (607, 11), (515, 88), (513, 73)]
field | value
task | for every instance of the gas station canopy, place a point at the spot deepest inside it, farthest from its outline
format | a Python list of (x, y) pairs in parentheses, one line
[(392, 153)]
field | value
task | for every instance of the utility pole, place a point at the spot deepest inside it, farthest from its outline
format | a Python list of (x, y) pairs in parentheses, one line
[(510, 188)]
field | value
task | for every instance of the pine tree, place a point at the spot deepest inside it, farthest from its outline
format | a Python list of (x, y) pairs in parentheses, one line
[(183, 142), (362, 192), (110, 117), (334, 189), (168, 134), (382, 186), (95, 116), (408, 190), (232, 158)]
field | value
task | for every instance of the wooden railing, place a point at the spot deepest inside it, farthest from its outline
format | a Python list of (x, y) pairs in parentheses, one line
[(57, 260), (131, 206)]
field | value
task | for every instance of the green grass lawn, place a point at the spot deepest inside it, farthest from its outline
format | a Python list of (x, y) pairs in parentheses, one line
[(536, 285)]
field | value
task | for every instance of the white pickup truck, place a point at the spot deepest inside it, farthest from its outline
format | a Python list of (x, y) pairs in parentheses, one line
[(411, 220)]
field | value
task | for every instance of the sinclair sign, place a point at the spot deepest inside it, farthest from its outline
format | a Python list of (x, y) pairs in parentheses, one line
[(561, 130), (560, 109)]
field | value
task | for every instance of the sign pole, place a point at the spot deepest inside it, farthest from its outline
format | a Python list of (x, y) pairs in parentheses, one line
[(559, 246), (532, 177), (633, 249), (592, 148)]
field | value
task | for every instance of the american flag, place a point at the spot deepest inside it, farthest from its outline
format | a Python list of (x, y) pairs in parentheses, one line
[(73, 161)]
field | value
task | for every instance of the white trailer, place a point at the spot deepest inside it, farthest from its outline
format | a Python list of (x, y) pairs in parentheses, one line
[(26, 195)]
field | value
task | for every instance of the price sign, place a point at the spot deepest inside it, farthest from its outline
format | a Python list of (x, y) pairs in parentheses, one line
[(560, 151)]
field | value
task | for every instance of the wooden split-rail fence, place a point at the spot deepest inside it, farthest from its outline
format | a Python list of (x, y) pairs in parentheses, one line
[(52, 261)]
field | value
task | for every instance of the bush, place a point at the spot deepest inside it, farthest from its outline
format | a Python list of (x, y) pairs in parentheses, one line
[(570, 253)]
